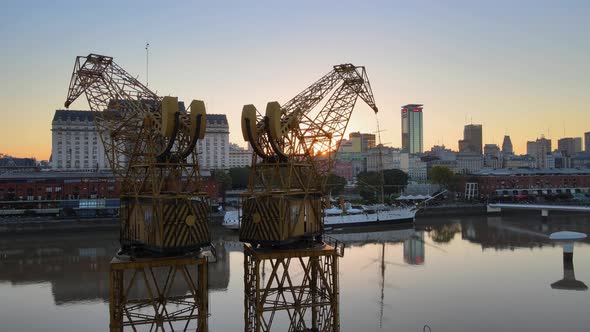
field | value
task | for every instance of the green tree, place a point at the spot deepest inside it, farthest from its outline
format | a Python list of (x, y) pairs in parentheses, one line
[(335, 184), (444, 233), (222, 177), (441, 175), (395, 181), (239, 177), (369, 186)]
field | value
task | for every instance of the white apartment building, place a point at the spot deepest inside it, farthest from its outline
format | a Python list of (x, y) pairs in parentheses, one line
[(416, 168), (213, 151), (75, 144), (386, 157), (239, 156), (469, 162)]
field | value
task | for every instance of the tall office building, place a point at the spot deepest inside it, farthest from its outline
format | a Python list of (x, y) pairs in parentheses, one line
[(507, 148), (587, 141), (412, 130), (539, 150), (472, 139), (570, 145)]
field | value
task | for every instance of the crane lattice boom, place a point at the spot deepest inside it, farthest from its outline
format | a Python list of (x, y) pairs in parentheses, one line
[(295, 147), (150, 143)]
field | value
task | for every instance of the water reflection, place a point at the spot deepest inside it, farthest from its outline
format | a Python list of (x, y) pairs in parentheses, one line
[(300, 294), (78, 270), (413, 241), (475, 267), (518, 232), (569, 282)]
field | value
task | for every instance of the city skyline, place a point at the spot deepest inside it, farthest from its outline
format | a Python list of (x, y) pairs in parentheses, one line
[(500, 65)]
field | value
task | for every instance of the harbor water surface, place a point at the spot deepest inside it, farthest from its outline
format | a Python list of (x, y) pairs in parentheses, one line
[(453, 274)]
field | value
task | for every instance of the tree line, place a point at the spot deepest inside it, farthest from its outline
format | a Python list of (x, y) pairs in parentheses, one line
[(369, 185)]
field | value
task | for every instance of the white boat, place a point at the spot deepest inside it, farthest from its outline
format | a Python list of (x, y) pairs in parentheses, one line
[(231, 219), (334, 217), (371, 217)]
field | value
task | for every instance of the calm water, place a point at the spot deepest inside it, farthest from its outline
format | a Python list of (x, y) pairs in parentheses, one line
[(457, 274)]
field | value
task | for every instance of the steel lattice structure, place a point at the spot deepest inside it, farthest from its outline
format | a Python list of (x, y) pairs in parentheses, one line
[(295, 146), (162, 294), (300, 292), (151, 147)]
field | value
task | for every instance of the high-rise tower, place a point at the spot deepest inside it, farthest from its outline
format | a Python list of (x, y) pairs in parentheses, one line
[(472, 139), (412, 134), (507, 146)]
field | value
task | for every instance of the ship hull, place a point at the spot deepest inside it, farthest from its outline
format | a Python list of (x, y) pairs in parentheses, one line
[(381, 218)]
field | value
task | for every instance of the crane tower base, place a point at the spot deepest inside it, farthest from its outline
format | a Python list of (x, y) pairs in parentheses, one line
[(296, 289), (161, 294)]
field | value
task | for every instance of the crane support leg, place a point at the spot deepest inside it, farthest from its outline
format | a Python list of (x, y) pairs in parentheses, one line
[(163, 294), (298, 289)]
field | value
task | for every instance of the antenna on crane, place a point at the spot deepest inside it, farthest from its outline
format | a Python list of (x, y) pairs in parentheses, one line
[(147, 64)]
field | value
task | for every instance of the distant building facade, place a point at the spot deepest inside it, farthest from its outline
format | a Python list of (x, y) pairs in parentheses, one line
[(514, 161), (494, 183), (10, 164), (587, 141), (239, 156), (581, 160), (382, 157), (343, 168), (570, 145), (412, 128), (357, 143), (75, 143), (539, 150), (507, 148), (492, 156), (469, 162), (472, 139), (415, 168), (213, 151)]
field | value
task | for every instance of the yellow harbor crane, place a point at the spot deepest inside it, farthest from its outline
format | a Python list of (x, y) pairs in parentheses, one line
[(294, 149), (150, 143)]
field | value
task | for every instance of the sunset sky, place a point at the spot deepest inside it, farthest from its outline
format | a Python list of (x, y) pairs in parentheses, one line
[(518, 67)]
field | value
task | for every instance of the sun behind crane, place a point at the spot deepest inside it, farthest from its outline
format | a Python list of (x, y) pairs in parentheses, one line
[(294, 149)]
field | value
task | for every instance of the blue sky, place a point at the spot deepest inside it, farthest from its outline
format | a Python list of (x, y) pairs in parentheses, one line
[(516, 67)]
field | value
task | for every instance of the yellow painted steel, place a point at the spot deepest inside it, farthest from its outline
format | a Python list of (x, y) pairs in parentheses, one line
[(198, 109), (249, 113), (279, 218), (166, 225), (303, 284), (141, 296), (273, 113), (169, 109)]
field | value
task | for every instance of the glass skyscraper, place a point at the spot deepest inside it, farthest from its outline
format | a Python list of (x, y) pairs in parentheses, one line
[(412, 134)]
